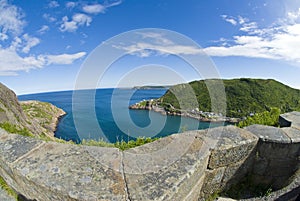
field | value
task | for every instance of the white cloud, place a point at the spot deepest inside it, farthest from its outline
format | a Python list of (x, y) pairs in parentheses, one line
[(49, 18), (70, 4), (11, 18), (100, 8), (43, 29), (63, 58), (281, 41), (113, 3), (29, 43), (3, 36), (14, 52), (23, 43), (11, 62), (82, 19), (78, 19), (94, 9), (67, 25), (157, 43), (53, 4), (229, 19)]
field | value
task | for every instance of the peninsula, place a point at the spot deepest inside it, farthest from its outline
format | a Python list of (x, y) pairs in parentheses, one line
[(244, 97)]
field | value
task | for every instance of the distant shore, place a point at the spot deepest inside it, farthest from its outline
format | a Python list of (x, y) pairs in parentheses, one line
[(150, 105)]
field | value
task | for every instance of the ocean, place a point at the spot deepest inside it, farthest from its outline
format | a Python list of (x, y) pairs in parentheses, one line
[(107, 116)]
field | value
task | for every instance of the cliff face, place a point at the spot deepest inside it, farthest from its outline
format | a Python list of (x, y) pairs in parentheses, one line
[(34, 117)]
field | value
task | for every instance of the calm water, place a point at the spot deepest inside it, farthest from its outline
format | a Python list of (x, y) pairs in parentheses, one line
[(116, 121)]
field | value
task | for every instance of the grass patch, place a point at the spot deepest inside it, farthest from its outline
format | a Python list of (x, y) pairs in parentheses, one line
[(38, 110), (7, 188), (98, 143), (16, 129), (213, 196), (122, 145)]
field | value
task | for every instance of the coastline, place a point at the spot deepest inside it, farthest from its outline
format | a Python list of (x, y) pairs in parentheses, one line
[(44, 114), (152, 105)]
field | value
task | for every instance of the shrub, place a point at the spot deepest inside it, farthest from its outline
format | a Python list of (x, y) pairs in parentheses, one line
[(11, 128), (269, 118), (122, 145)]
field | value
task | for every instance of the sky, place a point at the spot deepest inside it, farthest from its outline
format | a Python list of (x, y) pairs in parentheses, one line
[(44, 45)]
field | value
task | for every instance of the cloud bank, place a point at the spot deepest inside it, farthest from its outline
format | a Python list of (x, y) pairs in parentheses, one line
[(15, 52), (280, 41)]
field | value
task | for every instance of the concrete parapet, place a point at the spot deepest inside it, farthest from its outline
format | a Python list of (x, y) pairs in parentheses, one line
[(187, 166)]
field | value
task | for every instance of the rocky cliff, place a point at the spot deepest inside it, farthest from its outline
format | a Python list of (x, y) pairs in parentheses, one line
[(29, 117)]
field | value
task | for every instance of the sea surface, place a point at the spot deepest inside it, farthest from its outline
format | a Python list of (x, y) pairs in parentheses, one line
[(106, 115)]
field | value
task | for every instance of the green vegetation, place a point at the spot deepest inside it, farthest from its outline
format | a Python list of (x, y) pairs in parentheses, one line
[(143, 103), (269, 118), (243, 96), (7, 188), (39, 110), (2, 110), (15, 129), (246, 188), (122, 145), (213, 196)]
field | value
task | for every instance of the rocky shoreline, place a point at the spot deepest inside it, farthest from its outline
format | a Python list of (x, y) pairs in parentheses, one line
[(44, 114), (152, 105)]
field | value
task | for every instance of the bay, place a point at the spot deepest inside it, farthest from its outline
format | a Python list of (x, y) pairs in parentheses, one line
[(116, 121)]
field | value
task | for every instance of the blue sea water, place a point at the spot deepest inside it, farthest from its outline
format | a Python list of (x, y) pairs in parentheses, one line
[(116, 121)]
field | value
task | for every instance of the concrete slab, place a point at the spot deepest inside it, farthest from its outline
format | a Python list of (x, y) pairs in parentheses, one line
[(269, 134)]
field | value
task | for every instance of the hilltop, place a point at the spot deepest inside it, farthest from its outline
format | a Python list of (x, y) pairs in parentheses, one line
[(244, 97)]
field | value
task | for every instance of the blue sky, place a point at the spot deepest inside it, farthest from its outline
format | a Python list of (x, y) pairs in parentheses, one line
[(43, 44)]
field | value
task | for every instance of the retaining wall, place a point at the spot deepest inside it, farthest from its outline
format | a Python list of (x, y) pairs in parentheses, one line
[(187, 166)]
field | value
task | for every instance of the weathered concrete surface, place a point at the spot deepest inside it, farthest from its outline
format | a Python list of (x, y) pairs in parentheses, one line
[(53, 171), (277, 157), (188, 166), (233, 145), (171, 168), (227, 163), (269, 134), (291, 119)]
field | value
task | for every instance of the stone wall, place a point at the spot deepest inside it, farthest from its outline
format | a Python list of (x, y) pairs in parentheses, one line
[(187, 166)]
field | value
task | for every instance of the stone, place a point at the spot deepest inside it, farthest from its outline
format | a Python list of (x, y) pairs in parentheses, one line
[(57, 171), (171, 168), (233, 145), (292, 133), (5, 197), (13, 147), (269, 134), (291, 119)]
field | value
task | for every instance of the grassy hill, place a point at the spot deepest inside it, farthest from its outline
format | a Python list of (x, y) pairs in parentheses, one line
[(243, 96)]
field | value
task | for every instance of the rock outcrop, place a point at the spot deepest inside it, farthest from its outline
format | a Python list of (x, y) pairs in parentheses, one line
[(37, 118), (44, 114)]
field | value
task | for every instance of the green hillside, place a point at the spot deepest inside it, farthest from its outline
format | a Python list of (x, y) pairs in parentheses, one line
[(243, 96)]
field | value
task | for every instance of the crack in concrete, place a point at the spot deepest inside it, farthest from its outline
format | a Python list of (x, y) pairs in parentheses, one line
[(30, 152), (124, 177)]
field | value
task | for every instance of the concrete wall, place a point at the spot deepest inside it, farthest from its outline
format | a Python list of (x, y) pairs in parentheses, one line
[(187, 166)]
